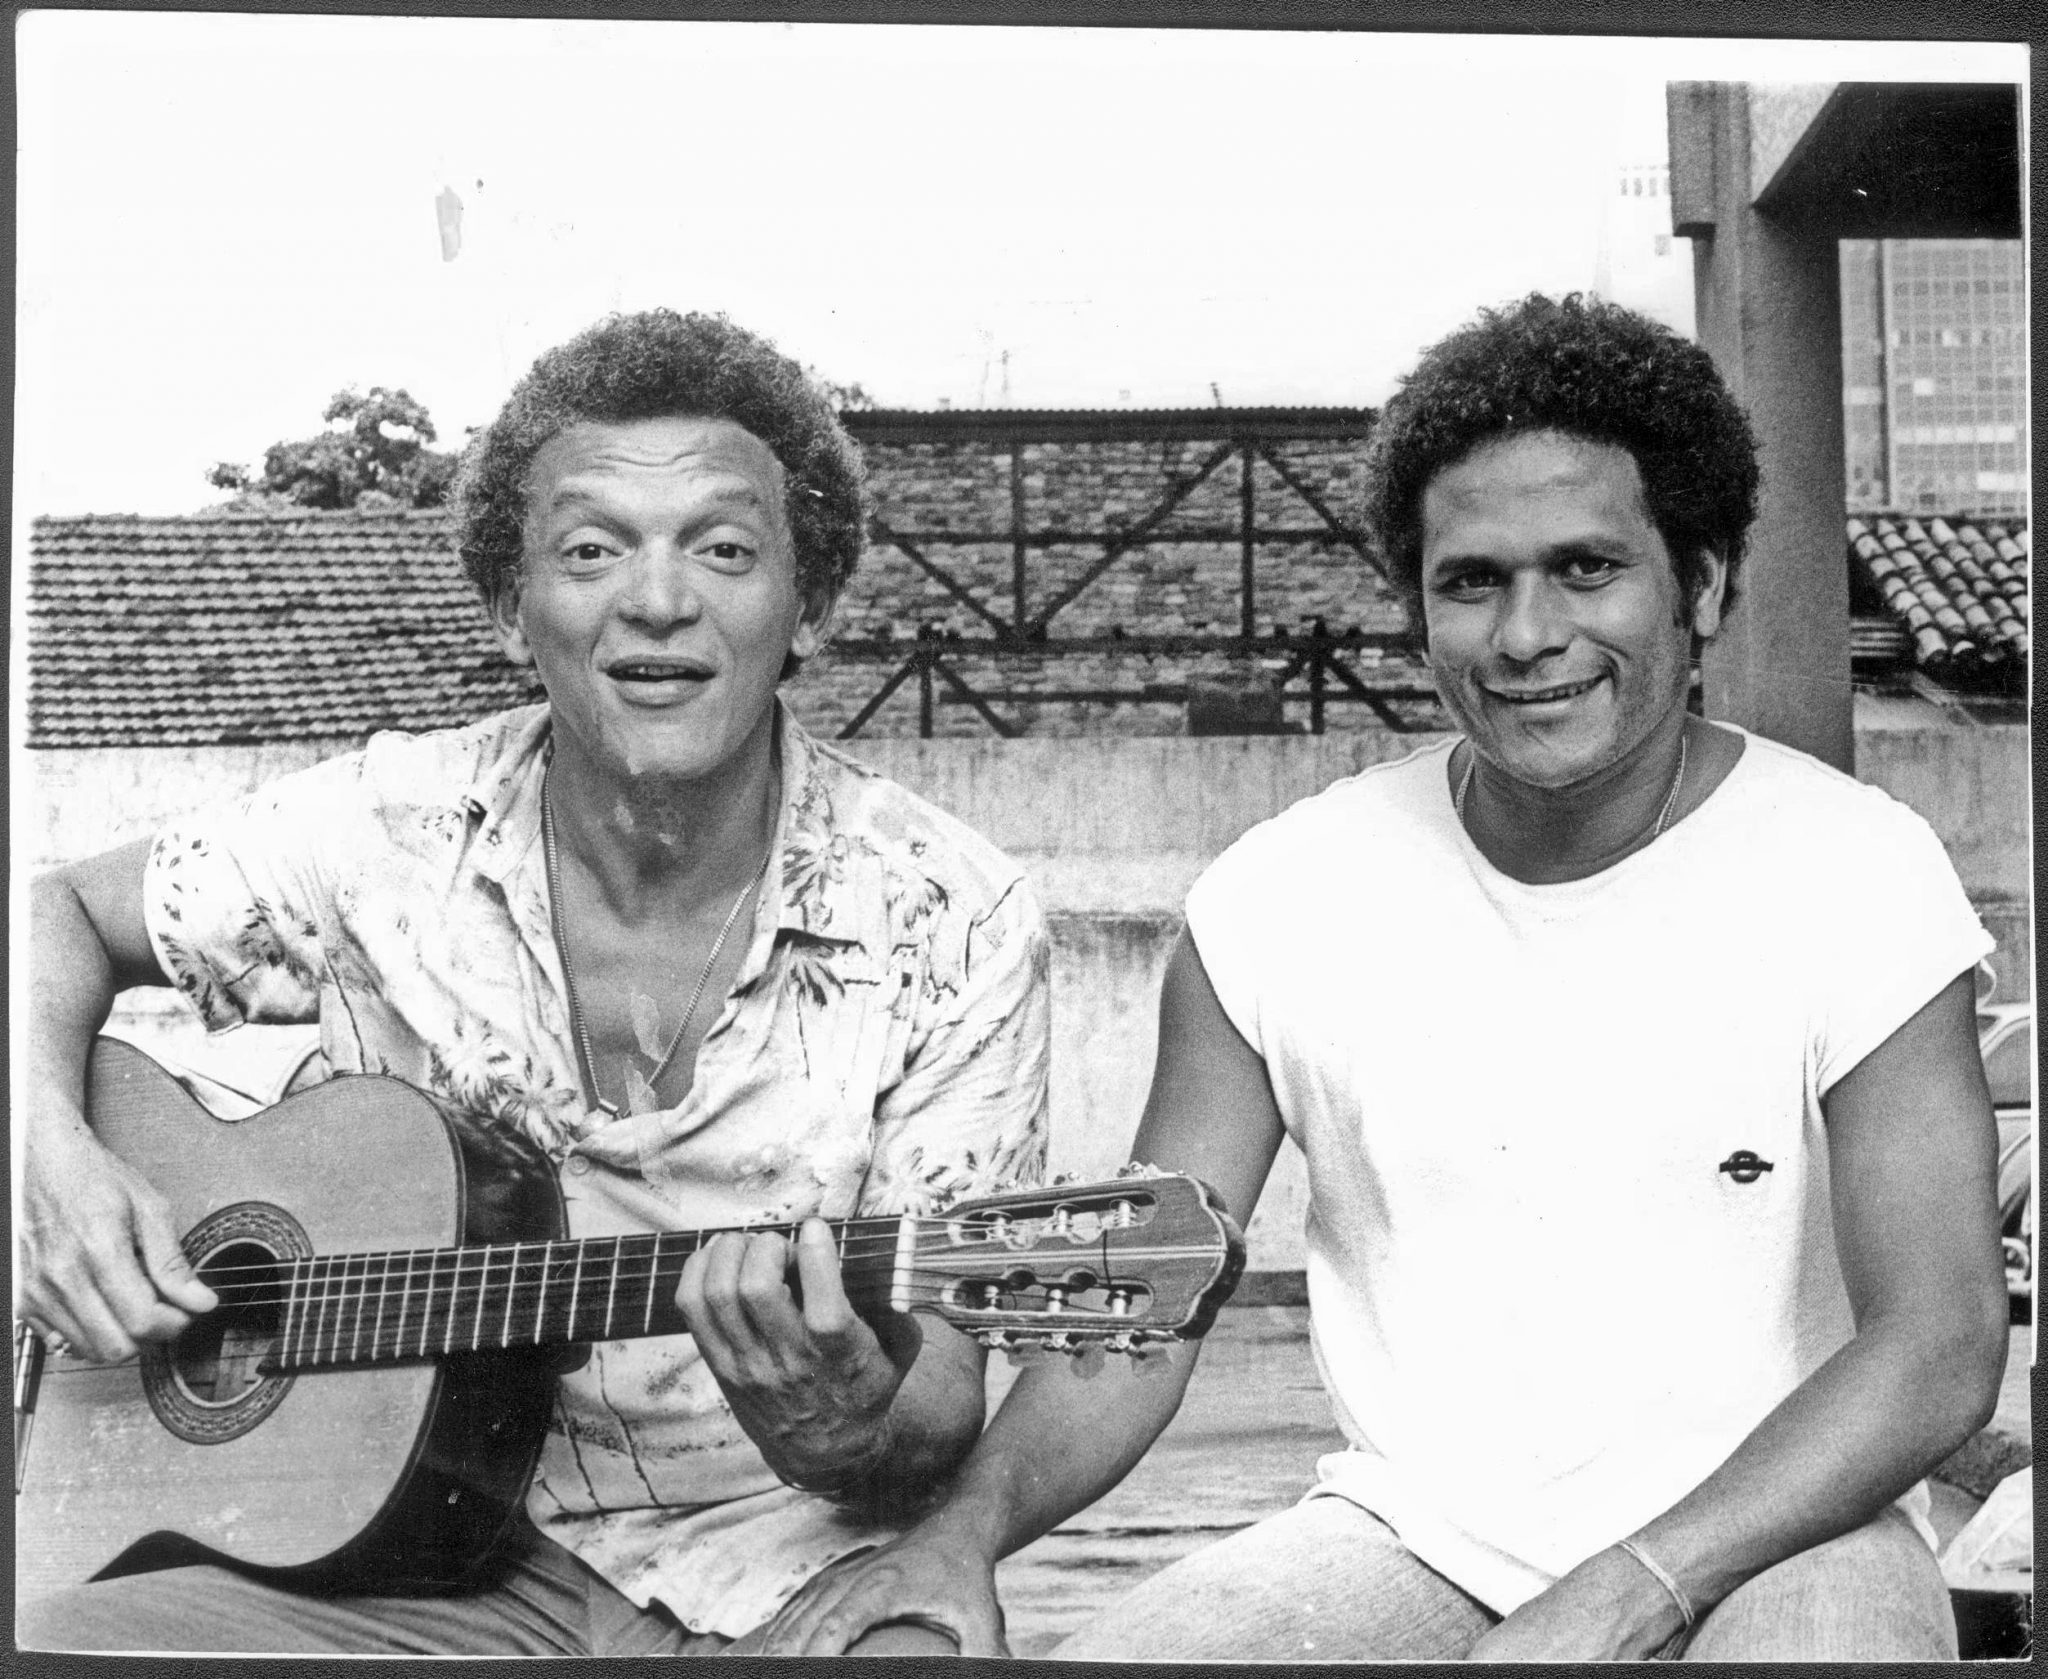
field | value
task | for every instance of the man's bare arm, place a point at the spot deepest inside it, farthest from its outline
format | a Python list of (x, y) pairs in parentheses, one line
[(1913, 1166), (101, 1265), (1058, 1443)]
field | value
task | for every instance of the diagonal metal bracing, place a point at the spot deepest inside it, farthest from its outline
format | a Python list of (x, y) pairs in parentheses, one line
[(879, 529), (1321, 508), (1295, 665), (1314, 658), (924, 664), (1135, 537), (880, 697), (1348, 679), (958, 684), (1022, 624)]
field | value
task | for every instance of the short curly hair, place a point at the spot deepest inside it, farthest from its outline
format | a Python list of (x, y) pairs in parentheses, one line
[(658, 365), (1592, 370)]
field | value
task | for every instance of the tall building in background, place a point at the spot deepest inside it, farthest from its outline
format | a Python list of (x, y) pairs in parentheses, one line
[(1934, 375), (1640, 262)]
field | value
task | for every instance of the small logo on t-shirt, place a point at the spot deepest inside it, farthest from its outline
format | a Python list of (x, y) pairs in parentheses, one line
[(1745, 1165)]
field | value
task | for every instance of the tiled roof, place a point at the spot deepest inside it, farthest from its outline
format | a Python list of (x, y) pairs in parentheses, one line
[(223, 628), (1957, 588)]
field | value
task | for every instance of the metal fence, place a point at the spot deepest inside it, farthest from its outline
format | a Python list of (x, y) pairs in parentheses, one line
[(1309, 669)]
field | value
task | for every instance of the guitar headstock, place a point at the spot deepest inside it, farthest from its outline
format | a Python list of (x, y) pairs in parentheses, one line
[(1137, 1260)]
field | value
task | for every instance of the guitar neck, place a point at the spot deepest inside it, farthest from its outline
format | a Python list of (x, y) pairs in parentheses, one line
[(361, 1308)]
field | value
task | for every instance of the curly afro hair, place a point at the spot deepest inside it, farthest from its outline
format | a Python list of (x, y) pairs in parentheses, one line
[(657, 365), (1593, 370)]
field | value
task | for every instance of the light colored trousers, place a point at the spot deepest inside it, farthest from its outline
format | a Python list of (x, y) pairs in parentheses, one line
[(1327, 1581), (546, 1603), (1324, 1581)]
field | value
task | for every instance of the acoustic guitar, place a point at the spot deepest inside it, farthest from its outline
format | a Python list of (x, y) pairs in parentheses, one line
[(365, 1406)]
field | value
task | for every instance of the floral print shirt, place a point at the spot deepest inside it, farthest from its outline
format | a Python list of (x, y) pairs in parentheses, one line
[(883, 1049)]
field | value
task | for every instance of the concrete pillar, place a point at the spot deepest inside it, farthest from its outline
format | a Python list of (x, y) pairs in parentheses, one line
[(1768, 306)]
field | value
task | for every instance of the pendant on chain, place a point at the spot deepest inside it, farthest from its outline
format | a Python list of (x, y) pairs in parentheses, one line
[(640, 1095)]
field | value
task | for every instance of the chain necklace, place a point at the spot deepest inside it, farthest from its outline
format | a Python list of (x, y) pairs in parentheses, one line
[(1663, 816), (584, 1054)]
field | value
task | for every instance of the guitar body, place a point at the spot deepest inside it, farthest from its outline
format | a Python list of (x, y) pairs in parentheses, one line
[(398, 1294), (395, 1476)]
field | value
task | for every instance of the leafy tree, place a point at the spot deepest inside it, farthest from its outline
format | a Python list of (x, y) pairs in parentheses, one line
[(373, 454), (845, 398)]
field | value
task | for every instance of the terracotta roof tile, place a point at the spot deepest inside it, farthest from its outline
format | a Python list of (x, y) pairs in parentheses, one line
[(221, 628), (232, 627), (1957, 587)]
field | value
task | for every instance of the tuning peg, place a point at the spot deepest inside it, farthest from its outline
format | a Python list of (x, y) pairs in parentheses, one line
[(1025, 1355), (1088, 1360)]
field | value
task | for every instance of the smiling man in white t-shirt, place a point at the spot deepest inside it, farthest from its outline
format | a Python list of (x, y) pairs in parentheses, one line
[(1652, 1252)]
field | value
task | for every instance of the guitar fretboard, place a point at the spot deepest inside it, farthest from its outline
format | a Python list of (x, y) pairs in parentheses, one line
[(369, 1307)]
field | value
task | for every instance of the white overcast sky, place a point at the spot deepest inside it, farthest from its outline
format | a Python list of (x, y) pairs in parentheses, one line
[(224, 219)]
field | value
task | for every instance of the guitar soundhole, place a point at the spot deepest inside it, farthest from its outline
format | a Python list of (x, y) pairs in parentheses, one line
[(214, 1382), (220, 1358)]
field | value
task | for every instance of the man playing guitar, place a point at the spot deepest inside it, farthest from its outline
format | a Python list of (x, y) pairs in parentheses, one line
[(721, 975)]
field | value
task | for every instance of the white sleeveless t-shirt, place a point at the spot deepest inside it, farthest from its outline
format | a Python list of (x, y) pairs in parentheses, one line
[(1568, 1229)]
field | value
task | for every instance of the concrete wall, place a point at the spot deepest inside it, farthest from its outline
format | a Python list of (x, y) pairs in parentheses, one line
[(1113, 831), (1972, 786), (89, 800), (1779, 116)]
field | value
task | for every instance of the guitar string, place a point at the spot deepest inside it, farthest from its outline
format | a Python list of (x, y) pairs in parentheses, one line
[(346, 1287), (445, 1284), (431, 1338), (439, 1332), (326, 1348), (409, 1333), (863, 1246), (412, 1337), (371, 1270), (885, 1227), (925, 1291), (932, 1285), (258, 1293), (500, 1271), (500, 1284), (496, 1255)]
